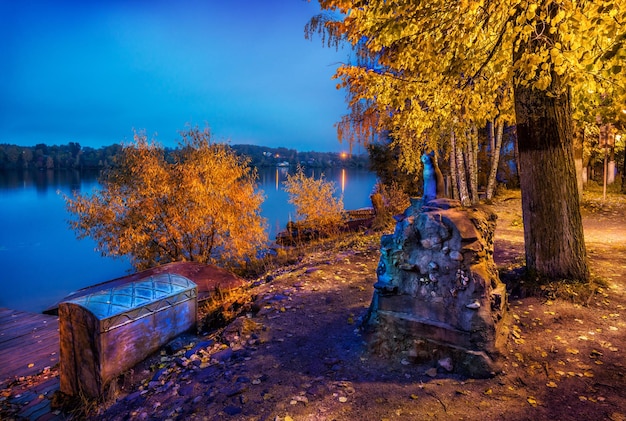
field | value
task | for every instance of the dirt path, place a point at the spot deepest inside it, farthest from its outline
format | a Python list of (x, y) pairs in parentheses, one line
[(299, 355)]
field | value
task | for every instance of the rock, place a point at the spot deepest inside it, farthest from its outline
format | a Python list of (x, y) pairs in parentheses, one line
[(232, 410), (223, 355), (237, 389), (424, 312), (446, 364), (174, 346), (197, 347), (158, 374), (407, 266), (474, 305), (431, 372), (133, 396), (456, 255)]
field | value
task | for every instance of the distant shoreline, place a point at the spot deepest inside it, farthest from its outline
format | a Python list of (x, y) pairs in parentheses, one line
[(75, 157)]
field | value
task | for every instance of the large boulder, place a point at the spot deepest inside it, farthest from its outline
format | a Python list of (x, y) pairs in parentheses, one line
[(438, 297)]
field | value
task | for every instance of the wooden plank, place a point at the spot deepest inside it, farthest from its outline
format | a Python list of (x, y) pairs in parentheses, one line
[(18, 364), (27, 327), (28, 346), (28, 343), (19, 317)]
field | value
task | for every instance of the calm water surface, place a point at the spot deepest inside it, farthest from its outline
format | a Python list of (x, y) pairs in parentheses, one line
[(41, 261)]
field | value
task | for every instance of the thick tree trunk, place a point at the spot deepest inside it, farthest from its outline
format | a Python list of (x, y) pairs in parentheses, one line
[(495, 160), (553, 230)]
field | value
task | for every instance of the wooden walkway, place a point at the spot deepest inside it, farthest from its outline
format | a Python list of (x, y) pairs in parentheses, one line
[(29, 343)]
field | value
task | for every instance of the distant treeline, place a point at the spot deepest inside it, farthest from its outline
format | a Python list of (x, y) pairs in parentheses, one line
[(75, 156)]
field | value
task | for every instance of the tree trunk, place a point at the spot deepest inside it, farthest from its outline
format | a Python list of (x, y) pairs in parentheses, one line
[(495, 160), (462, 178), (453, 167), (472, 164), (553, 230), (579, 137), (516, 153), (624, 176), (491, 136), (610, 179)]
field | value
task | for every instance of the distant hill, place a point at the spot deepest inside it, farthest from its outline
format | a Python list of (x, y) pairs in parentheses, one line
[(73, 156)]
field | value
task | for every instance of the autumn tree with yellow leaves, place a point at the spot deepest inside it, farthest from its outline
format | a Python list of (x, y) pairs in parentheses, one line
[(434, 70), (201, 206), (317, 208)]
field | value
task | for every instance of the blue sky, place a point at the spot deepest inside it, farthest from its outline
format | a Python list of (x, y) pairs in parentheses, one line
[(92, 71)]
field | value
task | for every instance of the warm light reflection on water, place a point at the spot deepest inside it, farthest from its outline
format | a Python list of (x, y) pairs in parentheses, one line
[(43, 261), (355, 186)]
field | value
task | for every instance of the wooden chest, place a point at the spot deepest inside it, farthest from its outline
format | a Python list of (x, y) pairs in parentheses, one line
[(109, 331)]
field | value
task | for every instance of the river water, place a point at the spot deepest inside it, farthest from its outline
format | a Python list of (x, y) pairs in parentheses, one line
[(41, 261)]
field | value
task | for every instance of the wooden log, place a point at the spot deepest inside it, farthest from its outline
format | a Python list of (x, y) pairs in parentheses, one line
[(107, 332)]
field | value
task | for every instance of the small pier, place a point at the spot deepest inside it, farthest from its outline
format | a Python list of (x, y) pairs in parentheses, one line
[(29, 342)]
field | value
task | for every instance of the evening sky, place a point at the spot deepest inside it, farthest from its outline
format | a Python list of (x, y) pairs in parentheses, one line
[(93, 71)]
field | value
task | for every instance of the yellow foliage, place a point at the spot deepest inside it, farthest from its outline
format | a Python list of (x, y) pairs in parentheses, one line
[(203, 206), (423, 68), (316, 206)]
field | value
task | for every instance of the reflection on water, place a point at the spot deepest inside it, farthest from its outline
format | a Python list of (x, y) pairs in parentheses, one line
[(43, 182), (41, 259), (355, 186)]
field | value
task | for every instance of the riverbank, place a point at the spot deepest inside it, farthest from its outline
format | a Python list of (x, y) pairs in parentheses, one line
[(296, 352)]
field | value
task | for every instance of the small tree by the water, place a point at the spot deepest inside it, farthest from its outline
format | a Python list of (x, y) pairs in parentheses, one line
[(317, 209), (388, 200), (202, 207)]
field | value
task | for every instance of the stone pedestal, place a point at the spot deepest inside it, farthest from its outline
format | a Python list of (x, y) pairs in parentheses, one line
[(438, 297)]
